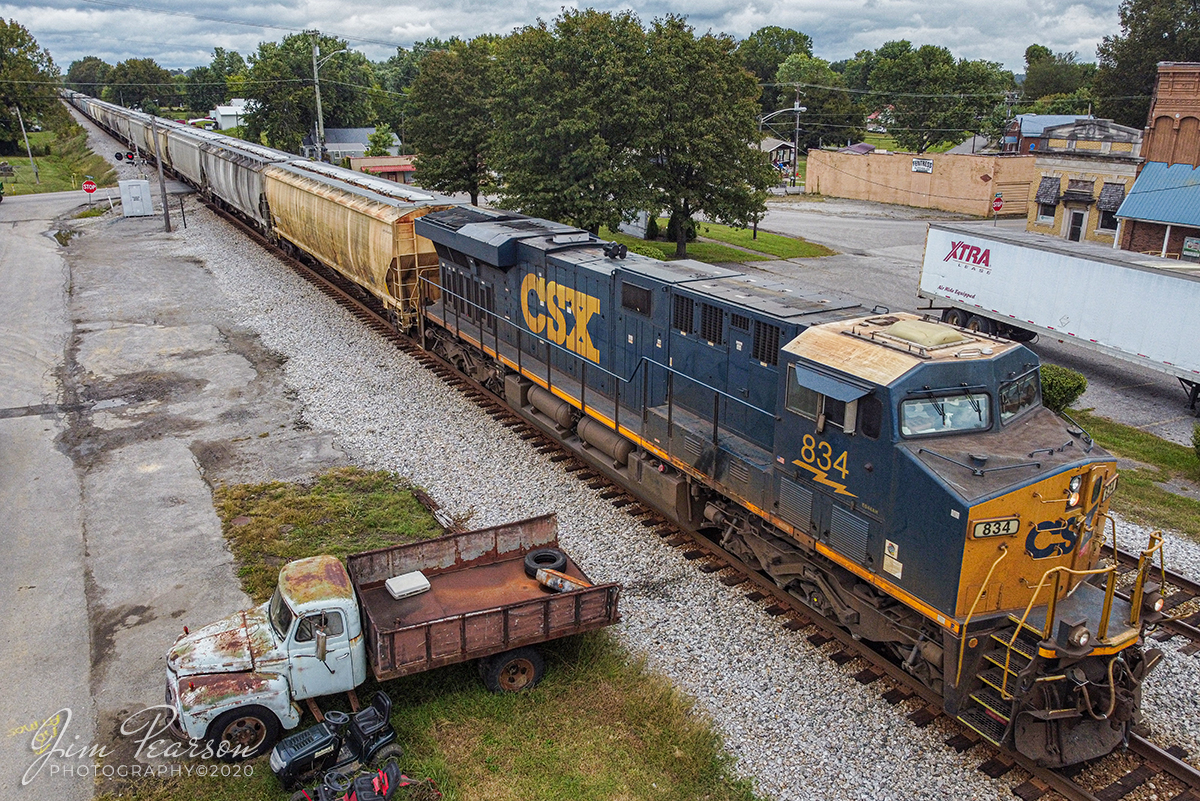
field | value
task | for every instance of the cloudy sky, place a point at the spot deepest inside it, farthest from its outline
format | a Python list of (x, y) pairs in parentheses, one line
[(185, 35)]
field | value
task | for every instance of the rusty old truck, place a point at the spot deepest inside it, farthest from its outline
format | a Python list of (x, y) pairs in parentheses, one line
[(238, 682)]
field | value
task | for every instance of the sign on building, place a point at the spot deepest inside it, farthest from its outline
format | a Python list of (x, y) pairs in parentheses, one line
[(1191, 248), (923, 165)]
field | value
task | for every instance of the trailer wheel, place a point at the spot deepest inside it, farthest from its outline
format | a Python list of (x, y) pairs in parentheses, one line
[(547, 558), (981, 325), (513, 671), (251, 730), (956, 317)]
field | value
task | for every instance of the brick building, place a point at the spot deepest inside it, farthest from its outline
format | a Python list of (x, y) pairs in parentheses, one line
[(1161, 213)]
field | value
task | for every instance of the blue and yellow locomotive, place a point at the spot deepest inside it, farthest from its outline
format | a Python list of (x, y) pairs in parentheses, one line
[(897, 474)]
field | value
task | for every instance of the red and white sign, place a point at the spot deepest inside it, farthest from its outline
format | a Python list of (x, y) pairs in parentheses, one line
[(997, 204), (89, 186)]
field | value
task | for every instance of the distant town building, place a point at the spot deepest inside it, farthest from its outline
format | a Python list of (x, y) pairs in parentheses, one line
[(1161, 213), (779, 151), (344, 143), (394, 168), (230, 116), (1086, 168), (1025, 133)]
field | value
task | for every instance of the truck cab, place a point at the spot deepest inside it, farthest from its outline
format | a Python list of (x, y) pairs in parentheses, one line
[(235, 682)]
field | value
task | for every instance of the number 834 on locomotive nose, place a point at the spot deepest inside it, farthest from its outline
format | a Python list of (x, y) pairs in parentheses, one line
[(895, 473)]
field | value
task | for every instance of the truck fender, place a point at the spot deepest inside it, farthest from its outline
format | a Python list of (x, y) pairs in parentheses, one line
[(203, 698)]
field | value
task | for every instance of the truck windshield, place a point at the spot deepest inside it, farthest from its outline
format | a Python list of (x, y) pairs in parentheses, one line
[(1018, 395), (281, 616), (950, 413)]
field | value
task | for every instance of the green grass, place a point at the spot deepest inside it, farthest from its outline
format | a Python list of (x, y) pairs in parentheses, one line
[(598, 727), (64, 169), (781, 247), (766, 246), (1138, 498)]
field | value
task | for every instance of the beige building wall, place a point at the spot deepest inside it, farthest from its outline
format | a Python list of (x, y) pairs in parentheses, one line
[(957, 182), (1067, 169)]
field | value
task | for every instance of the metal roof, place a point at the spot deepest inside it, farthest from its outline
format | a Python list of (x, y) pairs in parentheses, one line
[(1166, 194), (1034, 124)]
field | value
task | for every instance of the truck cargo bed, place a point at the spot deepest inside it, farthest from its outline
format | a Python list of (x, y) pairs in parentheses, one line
[(480, 601)]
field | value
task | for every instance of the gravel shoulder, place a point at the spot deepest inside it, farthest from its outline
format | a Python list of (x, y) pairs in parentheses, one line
[(797, 724)]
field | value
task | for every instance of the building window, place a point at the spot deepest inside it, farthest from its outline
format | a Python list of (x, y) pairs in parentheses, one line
[(1108, 221), (1046, 212)]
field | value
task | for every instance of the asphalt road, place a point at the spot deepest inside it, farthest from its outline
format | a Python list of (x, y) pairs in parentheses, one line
[(880, 249)]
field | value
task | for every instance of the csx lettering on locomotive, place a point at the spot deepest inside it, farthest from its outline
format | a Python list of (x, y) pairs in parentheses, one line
[(567, 314)]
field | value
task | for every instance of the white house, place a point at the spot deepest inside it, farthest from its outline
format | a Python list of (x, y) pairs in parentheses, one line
[(229, 116)]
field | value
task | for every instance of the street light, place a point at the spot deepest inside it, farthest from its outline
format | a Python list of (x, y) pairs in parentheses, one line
[(317, 63), (796, 109)]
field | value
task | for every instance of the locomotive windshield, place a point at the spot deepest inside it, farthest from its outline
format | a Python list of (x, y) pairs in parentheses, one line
[(1018, 395), (944, 415)]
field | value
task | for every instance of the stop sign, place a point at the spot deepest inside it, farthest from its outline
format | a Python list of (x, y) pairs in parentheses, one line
[(997, 204), (89, 186)]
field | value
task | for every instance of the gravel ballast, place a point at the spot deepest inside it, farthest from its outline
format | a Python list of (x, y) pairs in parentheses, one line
[(796, 723)]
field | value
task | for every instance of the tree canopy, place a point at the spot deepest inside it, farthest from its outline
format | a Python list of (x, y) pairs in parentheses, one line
[(764, 50), (208, 87), (88, 75), (281, 101), (832, 114), (28, 80), (141, 82), (571, 116), (1151, 31), (934, 98), (450, 121), (1049, 73), (703, 140)]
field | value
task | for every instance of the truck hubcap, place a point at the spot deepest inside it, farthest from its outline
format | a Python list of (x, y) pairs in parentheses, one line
[(516, 675), (247, 732)]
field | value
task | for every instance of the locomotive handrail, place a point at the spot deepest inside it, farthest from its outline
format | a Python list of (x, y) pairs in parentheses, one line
[(1146, 560), (962, 642), (484, 312), (1057, 571)]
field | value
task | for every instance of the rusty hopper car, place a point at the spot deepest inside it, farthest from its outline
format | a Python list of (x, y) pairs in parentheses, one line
[(896, 474), (360, 226), (480, 601)]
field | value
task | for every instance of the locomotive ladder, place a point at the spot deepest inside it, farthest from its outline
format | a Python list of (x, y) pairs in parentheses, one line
[(987, 711)]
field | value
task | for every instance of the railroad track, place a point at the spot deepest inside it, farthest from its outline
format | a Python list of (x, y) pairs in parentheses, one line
[(1142, 762)]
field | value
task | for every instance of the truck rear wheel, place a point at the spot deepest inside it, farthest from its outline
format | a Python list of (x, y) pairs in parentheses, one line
[(981, 324), (243, 733), (956, 317), (513, 671)]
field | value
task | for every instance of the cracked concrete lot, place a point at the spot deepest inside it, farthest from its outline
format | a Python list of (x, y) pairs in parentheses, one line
[(127, 391)]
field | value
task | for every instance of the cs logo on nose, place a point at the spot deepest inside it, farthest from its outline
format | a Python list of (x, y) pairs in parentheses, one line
[(1051, 538)]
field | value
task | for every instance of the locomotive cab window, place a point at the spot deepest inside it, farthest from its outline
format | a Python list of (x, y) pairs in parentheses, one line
[(946, 414), (825, 410), (1019, 395)]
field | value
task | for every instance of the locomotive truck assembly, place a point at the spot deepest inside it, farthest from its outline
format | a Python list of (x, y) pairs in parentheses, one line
[(896, 473)]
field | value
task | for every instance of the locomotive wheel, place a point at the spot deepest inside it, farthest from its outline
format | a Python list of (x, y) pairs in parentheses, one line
[(513, 671), (981, 325), (547, 558)]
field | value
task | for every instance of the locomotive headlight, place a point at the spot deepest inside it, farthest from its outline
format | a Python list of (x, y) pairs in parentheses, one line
[(1076, 482), (1153, 601), (1079, 636)]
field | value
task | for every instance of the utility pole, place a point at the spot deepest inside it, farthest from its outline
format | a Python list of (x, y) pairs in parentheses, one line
[(317, 89), (162, 182), (28, 152)]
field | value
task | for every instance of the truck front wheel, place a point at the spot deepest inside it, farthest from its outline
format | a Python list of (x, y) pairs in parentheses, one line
[(243, 733), (513, 671)]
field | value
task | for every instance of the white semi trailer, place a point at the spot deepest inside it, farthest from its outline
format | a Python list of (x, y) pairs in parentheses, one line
[(1142, 309)]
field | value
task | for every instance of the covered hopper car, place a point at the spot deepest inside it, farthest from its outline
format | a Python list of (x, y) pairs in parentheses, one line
[(895, 473)]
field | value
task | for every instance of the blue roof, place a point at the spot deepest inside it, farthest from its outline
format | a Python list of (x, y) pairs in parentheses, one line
[(1034, 124), (1165, 194)]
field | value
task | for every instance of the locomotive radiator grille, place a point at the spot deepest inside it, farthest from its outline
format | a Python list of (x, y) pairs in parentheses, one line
[(795, 503), (848, 534)]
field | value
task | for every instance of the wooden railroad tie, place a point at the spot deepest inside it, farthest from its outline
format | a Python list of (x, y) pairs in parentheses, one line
[(924, 716), (1031, 790), (997, 766), (1127, 783), (964, 741), (733, 580)]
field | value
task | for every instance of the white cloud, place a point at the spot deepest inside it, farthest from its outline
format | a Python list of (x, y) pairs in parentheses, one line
[(975, 29)]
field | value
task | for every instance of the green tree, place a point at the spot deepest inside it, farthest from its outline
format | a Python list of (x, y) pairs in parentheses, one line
[(449, 123), (934, 98), (206, 88), (379, 142), (28, 81), (394, 76), (569, 142), (281, 103), (832, 114), (1035, 53), (702, 143), (138, 81), (764, 50), (88, 75), (1056, 74), (1151, 31)]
